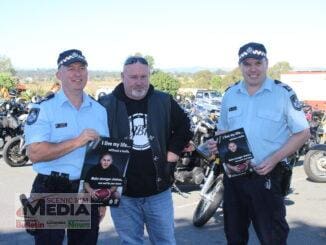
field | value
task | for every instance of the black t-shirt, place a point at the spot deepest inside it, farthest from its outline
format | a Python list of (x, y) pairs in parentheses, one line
[(141, 173)]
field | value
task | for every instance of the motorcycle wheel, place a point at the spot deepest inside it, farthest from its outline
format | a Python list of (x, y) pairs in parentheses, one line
[(207, 208), (11, 153), (315, 165)]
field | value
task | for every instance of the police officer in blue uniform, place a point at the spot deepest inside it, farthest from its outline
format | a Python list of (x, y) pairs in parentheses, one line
[(275, 125), (57, 131)]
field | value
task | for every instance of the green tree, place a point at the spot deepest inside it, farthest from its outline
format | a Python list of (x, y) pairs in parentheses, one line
[(216, 83), (203, 78), (7, 80), (149, 58), (232, 77), (276, 70), (165, 82), (6, 66)]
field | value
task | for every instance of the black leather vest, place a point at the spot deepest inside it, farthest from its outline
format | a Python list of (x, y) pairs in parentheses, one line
[(159, 131)]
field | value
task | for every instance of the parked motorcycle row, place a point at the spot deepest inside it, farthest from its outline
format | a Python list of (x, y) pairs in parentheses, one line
[(315, 148)]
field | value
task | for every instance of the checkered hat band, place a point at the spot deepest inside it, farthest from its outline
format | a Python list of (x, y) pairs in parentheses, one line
[(72, 56), (254, 52)]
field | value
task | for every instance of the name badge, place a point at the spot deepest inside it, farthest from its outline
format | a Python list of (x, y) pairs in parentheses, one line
[(61, 125), (233, 108)]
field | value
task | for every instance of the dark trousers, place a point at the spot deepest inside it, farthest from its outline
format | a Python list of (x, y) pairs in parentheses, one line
[(86, 236), (56, 236), (248, 199), (93, 232)]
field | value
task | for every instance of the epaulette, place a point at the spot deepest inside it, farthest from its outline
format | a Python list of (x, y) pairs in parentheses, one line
[(236, 83), (46, 98), (92, 97), (285, 86), (293, 97)]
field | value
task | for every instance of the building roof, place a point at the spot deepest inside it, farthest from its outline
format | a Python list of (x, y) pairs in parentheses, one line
[(305, 72)]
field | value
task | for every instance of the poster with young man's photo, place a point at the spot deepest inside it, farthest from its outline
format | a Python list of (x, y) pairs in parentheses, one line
[(235, 152), (104, 170)]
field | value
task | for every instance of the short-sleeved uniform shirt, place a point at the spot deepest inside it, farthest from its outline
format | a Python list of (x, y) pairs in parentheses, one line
[(269, 117), (56, 120)]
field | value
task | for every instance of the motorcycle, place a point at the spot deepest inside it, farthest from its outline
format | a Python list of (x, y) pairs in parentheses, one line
[(315, 163), (13, 116), (197, 167), (316, 122), (315, 157), (211, 192), (14, 152), (190, 169)]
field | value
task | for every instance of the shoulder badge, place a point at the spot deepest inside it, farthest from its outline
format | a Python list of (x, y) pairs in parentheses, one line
[(295, 102), (231, 86), (32, 116), (285, 86)]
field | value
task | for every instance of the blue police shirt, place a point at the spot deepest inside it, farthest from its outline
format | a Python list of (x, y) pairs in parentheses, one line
[(58, 120), (269, 117)]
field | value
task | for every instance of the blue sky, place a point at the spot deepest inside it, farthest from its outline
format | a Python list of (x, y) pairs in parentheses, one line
[(177, 33)]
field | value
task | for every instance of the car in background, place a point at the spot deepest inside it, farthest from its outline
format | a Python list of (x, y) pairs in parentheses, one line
[(209, 96), (209, 99)]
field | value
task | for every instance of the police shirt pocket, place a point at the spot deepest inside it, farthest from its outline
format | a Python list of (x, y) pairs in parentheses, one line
[(234, 118), (270, 124), (61, 133)]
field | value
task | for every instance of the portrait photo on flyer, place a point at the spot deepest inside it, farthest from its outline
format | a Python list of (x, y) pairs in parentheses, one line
[(235, 152), (104, 170)]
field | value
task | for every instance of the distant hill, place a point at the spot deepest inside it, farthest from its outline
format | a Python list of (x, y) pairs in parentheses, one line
[(99, 75), (49, 75)]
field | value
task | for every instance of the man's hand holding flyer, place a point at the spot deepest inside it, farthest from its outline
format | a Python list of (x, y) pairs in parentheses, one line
[(235, 152), (104, 170)]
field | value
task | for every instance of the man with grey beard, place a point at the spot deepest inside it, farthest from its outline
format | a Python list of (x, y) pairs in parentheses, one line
[(160, 130)]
